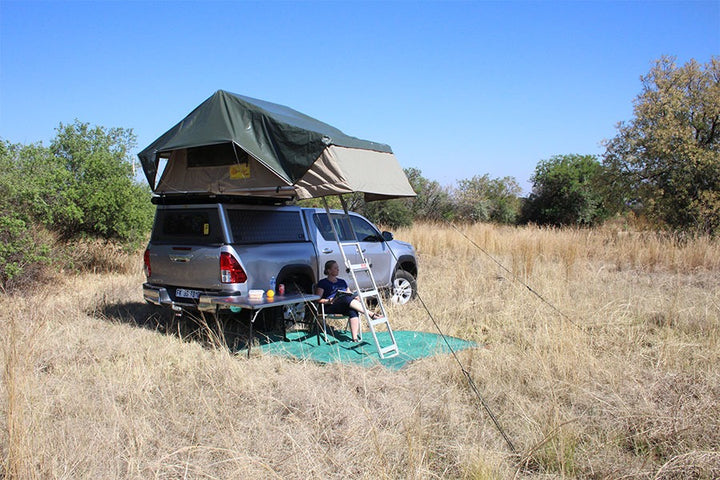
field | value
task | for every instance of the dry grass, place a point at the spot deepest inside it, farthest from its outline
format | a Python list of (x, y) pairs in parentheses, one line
[(624, 384)]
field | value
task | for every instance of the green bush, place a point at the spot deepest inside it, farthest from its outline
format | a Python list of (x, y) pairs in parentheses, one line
[(99, 184), (81, 187), (566, 191), (389, 213), (485, 199), (22, 254)]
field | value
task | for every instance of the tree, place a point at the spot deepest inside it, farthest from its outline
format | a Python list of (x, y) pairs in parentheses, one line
[(566, 191), (82, 185), (482, 199), (104, 200), (666, 160), (354, 201), (391, 213), (23, 249), (432, 202)]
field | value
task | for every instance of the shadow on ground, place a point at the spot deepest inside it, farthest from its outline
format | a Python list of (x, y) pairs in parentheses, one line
[(231, 330)]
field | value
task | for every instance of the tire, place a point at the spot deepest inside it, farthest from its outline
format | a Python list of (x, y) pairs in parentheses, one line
[(404, 288), (301, 314)]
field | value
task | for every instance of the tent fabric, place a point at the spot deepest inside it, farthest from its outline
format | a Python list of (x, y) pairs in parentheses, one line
[(346, 170), (179, 177), (264, 148)]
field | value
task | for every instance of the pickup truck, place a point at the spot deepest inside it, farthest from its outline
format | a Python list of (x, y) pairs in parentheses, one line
[(207, 249)]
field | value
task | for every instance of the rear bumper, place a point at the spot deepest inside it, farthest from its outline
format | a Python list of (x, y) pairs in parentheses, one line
[(158, 295)]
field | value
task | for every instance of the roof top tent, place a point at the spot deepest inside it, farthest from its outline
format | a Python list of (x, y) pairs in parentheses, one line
[(241, 146), (236, 145)]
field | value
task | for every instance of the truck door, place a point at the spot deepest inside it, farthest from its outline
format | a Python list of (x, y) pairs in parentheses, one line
[(370, 241), (328, 248), (375, 250)]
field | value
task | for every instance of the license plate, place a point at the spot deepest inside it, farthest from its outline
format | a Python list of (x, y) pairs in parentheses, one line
[(181, 292)]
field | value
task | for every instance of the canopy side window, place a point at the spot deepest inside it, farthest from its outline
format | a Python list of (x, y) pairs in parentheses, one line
[(265, 226)]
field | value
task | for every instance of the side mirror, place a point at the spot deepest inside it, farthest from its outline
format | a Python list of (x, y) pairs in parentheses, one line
[(387, 236)]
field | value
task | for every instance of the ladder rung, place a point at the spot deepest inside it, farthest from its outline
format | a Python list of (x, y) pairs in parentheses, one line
[(378, 321), (369, 293), (358, 267), (389, 348)]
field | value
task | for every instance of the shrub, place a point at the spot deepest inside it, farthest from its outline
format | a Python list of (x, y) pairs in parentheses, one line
[(485, 199), (100, 184), (23, 255), (79, 188), (566, 192)]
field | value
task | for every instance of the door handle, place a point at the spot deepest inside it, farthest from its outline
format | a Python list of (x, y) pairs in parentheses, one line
[(327, 250)]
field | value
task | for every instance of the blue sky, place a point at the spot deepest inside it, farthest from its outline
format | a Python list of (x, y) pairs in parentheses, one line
[(456, 88)]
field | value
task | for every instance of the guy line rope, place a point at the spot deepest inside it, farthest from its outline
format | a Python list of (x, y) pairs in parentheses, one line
[(465, 372), (515, 277)]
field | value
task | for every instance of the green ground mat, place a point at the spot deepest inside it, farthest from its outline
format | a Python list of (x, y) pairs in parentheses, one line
[(412, 345)]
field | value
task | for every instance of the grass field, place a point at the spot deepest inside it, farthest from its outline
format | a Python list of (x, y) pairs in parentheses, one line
[(613, 373)]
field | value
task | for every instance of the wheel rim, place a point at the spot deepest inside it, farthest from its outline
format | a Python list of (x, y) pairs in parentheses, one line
[(294, 312), (402, 291)]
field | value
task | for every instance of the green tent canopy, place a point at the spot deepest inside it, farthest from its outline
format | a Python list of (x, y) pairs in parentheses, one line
[(236, 145)]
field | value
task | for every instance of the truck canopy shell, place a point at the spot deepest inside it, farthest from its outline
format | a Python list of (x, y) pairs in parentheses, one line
[(237, 145)]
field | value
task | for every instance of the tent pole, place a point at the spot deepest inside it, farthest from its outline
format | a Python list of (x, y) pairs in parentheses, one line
[(345, 260), (334, 230), (347, 215)]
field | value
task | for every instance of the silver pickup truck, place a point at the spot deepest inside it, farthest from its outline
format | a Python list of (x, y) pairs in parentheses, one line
[(199, 251)]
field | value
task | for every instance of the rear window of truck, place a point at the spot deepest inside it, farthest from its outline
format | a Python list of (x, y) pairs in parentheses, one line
[(265, 226), (197, 225)]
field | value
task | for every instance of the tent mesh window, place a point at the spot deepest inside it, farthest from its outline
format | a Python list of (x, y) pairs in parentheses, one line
[(221, 155)]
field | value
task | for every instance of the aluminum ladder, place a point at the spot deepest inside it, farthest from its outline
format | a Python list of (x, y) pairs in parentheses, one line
[(372, 293)]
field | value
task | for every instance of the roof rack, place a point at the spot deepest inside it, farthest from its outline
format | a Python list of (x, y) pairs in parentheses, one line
[(199, 198)]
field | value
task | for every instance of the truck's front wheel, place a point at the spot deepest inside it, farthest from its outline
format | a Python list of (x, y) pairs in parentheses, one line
[(404, 288)]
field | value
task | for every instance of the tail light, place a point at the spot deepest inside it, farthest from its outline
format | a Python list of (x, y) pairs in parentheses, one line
[(146, 259), (230, 269)]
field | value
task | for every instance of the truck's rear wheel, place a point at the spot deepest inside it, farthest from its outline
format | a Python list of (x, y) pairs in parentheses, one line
[(404, 288), (299, 315)]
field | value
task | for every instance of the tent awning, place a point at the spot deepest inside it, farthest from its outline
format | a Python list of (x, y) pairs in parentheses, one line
[(237, 145)]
